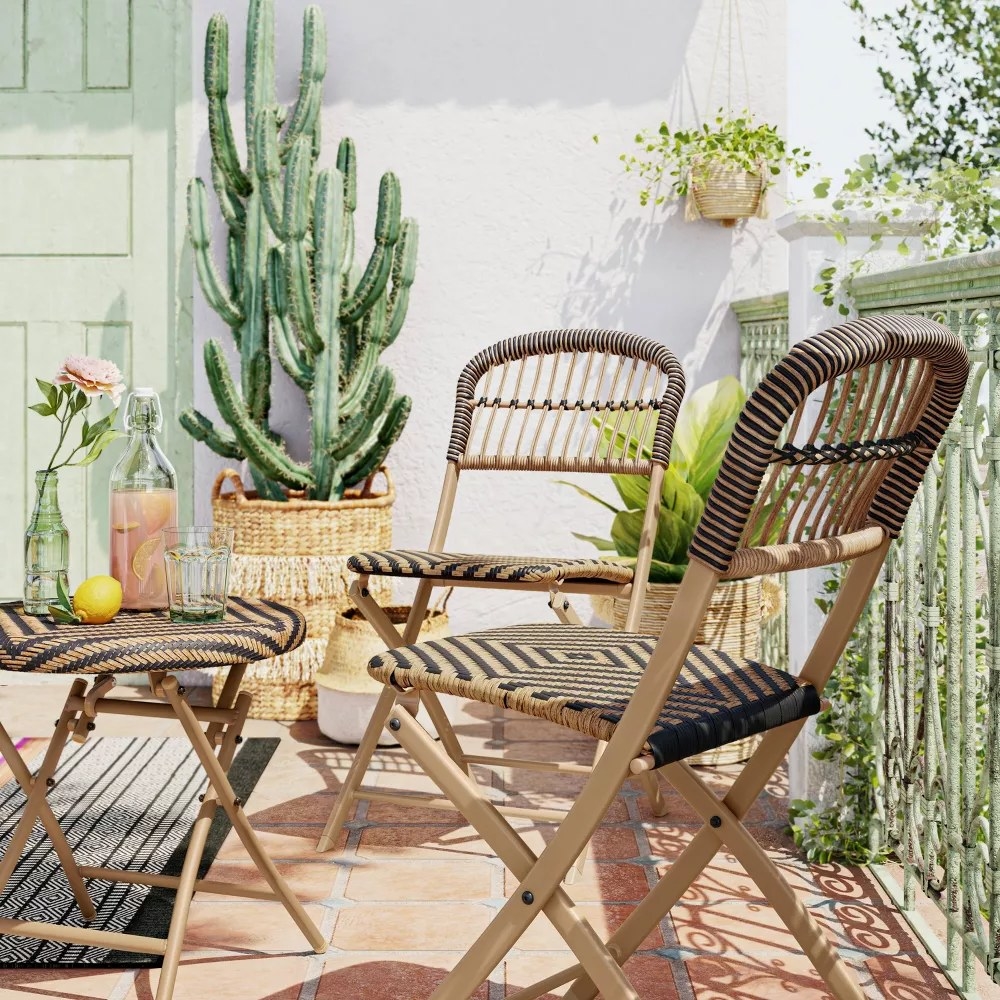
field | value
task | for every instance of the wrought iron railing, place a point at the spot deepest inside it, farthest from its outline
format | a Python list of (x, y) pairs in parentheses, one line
[(934, 625), (939, 624)]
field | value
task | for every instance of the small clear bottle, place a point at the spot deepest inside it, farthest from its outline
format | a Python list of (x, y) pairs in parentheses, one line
[(143, 503), (46, 547)]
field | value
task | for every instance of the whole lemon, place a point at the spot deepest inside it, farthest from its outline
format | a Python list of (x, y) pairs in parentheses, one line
[(97, 600)]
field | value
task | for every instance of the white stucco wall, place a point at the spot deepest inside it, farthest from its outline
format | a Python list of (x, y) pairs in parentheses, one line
[(486, 113), (834, 92)]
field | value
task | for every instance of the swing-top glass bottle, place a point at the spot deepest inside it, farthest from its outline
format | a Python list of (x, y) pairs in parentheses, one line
[(143, 503)]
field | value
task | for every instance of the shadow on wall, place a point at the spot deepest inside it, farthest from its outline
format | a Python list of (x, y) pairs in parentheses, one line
[(639, 276), (520, 52)]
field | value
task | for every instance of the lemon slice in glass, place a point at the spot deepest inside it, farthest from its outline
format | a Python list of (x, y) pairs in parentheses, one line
[(145, 557)]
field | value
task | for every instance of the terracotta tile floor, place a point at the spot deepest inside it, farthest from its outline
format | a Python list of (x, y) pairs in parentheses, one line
[(413, 888)]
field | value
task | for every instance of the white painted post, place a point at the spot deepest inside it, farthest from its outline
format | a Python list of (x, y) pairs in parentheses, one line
[(812, 247)]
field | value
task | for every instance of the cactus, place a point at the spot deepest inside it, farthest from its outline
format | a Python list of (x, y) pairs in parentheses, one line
[(292, 285)]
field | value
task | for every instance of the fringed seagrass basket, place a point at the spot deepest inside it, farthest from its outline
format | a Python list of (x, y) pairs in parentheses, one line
[(296, 552), (732, 623), (724, 192), (347, 692)]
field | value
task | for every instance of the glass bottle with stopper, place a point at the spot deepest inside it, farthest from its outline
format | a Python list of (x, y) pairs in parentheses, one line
[(143, 503)]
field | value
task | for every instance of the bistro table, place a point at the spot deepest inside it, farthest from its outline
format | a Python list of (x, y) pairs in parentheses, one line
[(134, 642)]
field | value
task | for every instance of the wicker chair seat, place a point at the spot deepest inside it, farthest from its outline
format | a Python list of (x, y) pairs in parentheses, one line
[(496, 569), (583, 677)]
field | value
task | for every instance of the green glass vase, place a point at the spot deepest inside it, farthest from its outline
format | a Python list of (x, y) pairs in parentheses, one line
[(46, 547)]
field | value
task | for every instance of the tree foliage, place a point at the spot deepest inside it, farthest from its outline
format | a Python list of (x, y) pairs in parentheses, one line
[(939, 63)]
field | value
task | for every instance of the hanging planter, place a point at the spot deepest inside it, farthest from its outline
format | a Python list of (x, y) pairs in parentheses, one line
[(726, 192), (723, 168)]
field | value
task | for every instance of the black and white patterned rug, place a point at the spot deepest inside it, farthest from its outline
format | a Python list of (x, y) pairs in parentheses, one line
[(123, 803)]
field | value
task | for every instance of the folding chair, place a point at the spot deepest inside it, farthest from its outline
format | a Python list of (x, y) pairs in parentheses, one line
[(821, 469), (554, 401)]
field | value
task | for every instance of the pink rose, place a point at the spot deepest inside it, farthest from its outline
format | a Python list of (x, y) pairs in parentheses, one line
[(92, 376)]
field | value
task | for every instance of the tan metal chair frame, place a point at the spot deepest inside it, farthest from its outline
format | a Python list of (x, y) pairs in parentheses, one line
[(666, 376), (904, 379), (223, 732)]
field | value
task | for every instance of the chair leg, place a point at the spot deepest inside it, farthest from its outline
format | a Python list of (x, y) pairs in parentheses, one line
[(793, 913), (698, 854), (564, 611), (651, 786), (435, 710), (500, 936), (234, 807), (63, 851), (362, 758)]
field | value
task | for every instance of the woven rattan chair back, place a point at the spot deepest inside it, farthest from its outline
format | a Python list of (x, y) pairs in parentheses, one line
[(567, 401), (831, 447)]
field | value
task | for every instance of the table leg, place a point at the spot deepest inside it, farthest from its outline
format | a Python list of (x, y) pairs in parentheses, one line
[(63, 851), (37, 807), (192, 860), (234, 809)]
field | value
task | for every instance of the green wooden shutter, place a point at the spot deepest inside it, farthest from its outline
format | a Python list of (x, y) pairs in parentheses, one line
[(94, 106)]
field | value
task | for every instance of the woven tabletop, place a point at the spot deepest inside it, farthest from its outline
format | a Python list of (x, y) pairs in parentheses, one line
[(147, 640)]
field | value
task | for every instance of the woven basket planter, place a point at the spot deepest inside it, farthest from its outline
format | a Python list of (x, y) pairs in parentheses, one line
[(725, 193), (347, 692), (732, 623), (296, 553)]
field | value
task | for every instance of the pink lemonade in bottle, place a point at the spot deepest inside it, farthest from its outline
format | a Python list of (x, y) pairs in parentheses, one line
[(143, 503), (137, 518)]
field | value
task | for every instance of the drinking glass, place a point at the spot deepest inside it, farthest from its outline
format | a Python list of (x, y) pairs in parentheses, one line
[(197, 568)]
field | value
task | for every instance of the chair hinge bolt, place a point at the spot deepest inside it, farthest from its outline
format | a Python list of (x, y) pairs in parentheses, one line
[(201, 798), (50, 782), (364, 592), (394, 725), (91, 726), (527, 897), (716, 822), (237, 803), (181, 689), (565, 605)]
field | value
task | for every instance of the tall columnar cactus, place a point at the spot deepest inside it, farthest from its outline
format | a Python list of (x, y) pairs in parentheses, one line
[(291, 279)]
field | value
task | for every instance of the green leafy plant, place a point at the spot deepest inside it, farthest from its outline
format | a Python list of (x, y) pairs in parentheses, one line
[(62, 611), (842, 830), (667, 158), (962, 211), (704, 426)]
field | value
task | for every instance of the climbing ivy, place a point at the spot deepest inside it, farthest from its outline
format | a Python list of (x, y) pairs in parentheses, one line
[(842, 830)]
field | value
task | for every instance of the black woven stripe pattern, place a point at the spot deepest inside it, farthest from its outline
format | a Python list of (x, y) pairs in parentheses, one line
[(615, 342), (137, 641), (496, 569), (807, 366), (583, 678), (846, 451)]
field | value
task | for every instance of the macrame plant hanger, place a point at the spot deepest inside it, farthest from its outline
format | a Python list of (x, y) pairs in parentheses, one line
[(730, 32), (731, 23)]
